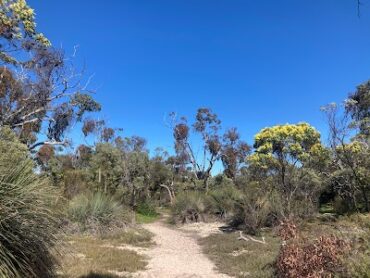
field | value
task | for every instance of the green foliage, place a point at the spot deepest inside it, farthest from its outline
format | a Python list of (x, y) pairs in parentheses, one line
[(286, 144), (28, 227), (351, 180), (96, 211), (146, 212), (358, 106), (107, 167), (147, 209), (190, 206), (223, 201), (24, 108), (145, 219), (253, 209), (11, 150), (292, 158)]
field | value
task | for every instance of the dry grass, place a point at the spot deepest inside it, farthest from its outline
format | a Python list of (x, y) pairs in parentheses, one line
[(240, 258), (138, 237), (92, 257)]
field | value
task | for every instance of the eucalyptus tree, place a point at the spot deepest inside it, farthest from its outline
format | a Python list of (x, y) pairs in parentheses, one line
[(349, 138), (207, 126), (234, 153), (39, 88)]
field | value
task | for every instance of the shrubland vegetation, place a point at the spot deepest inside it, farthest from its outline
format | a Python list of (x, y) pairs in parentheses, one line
[(280, 183)]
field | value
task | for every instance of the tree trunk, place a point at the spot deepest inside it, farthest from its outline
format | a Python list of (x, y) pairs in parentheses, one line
[(170, 191)]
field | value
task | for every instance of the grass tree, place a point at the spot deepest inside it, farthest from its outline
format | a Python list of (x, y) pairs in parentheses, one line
[(28, 227)]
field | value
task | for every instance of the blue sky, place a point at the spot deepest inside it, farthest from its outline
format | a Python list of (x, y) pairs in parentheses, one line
[(255, 63)]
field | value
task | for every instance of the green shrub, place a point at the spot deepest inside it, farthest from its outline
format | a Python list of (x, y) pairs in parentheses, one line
[(78, 209), (28, 228), (223, 201), (96, 211), (253, 209), (146, 213), (12, 152), (147, 209), (190, 206)]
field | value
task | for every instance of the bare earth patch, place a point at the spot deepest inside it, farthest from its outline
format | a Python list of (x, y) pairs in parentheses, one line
[(177, 253)]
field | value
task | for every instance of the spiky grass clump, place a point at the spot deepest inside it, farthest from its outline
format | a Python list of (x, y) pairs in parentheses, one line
[(96, 212), (190, 206), (28, 227)]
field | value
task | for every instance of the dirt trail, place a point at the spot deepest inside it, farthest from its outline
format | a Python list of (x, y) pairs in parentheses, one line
[(176, 255)]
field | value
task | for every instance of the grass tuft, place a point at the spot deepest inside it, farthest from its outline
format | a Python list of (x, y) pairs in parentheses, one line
[(97, 212)]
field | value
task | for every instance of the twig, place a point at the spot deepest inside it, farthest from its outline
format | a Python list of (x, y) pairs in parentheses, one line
[(248, 238)]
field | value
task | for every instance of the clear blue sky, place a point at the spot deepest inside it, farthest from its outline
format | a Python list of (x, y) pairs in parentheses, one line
[(255, 63)]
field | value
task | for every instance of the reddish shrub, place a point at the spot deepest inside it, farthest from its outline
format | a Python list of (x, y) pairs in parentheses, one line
[(287, 230), (318, 258)]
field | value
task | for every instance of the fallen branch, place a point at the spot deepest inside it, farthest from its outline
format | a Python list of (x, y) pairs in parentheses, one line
[(248, 238)]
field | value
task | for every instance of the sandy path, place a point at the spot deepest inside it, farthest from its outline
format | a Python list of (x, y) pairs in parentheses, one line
[(176, 255)]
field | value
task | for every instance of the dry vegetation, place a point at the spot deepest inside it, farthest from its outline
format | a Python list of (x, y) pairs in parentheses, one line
[(86, 255), (337, 246), (241, 258)]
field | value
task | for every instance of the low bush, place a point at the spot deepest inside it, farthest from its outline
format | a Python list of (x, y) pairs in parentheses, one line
[(96, 212), (310, 256), (146, 213), (147, 209), (253, 210), (190, 206), (28, 228), (320, 258), (223, 201)]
